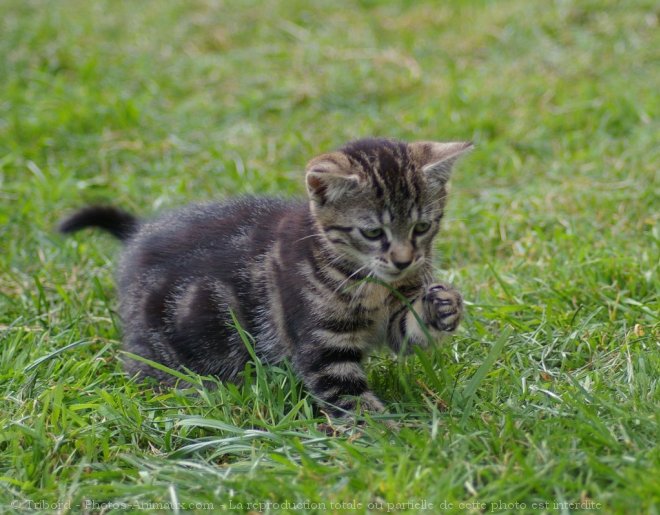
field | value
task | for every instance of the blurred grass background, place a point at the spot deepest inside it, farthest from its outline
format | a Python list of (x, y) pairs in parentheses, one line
[(552, 233)]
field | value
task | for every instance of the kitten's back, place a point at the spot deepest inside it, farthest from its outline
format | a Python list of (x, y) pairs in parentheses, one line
[(212, 238)]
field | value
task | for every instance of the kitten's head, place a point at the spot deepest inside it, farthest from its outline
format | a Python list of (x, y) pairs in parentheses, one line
[(379, 202)]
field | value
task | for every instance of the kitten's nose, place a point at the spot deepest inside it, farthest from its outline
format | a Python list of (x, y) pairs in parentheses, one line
[(401, 264), (401, 255)]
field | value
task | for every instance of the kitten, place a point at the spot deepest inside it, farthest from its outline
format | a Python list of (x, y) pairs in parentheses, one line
[(318, 282)]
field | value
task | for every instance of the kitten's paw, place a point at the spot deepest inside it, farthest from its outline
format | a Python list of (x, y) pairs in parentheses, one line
[(350, 405), (352, 410), (443, 307), (352, 429)]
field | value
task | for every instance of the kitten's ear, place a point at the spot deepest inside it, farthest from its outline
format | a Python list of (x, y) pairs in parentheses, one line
[(329, 177), (437, 159)]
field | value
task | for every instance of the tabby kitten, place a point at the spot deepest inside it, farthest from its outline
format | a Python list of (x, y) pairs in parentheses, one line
[(318, 282)]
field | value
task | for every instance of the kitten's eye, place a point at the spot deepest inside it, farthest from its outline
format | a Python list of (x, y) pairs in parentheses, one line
[(372, 234), (421, 227)]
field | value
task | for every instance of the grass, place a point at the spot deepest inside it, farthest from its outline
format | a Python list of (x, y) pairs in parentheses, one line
[(549, 393)]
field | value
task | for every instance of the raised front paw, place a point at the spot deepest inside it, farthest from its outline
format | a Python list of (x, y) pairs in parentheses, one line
[(443, 307)]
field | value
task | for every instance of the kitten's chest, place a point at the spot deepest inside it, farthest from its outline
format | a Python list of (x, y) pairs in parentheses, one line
[(375, 303), (370, 303), (372, 297)]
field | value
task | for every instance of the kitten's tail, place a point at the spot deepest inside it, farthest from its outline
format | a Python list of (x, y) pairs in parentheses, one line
[(117, 222)]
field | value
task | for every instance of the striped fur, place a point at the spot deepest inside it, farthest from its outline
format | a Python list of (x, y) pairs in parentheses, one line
[(311, 281)]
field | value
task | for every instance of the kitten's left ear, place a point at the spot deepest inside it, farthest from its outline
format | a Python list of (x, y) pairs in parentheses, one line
[(437, 159)]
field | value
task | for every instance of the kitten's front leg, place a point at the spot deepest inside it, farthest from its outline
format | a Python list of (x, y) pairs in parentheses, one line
[(440, 308), (331, 370)]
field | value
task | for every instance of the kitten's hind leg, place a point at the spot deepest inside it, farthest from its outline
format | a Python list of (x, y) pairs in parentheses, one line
[(187, 326), (201, 329)]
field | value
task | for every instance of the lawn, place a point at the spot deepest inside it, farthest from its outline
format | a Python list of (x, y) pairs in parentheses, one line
[(546, 400)]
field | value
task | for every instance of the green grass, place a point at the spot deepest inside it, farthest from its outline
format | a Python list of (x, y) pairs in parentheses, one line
[(549, 392)]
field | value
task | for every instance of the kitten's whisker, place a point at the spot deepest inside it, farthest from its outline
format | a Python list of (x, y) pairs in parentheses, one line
[(330, 263), (349, 278), (363, 284), (315, 235)]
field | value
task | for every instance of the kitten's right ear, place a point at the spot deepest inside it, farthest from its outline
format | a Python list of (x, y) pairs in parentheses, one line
[(329, 177), (437, 159)]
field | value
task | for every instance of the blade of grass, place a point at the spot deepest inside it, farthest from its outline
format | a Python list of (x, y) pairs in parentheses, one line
[(471, 388)]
